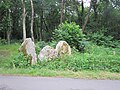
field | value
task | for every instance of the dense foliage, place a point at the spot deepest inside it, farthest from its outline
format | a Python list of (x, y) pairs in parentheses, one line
[(71, 33), (100, 39), (20, 61), (103, 13), (41, 44)]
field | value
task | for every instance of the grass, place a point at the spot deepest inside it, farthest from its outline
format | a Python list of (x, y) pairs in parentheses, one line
[(55, 73), (7, 52), (97, 62)]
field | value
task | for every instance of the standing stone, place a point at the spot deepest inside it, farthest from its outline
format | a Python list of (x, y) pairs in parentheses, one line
[(47, 52), (63, 48), (28, 49)]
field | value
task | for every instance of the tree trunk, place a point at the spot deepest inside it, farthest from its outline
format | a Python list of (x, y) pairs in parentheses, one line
[(8, 36), (41, 25), (32, 20), (79, 13), (62, 11), (24, 17), (9, 28), (36, 28), (82, 3), (82, 13), (95, 9), (87, 17)]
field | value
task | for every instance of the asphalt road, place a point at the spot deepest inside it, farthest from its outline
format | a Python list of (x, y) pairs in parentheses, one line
[(46, 83)]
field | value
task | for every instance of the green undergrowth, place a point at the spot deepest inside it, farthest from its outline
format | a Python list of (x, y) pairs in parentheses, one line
[(97, 62), (105, 59), (94, 58), (7, 52)]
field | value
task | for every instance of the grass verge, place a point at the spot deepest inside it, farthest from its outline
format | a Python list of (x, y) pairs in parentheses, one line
[(67, 74)]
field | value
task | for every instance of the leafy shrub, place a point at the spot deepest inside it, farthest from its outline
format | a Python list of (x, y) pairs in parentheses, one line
[(3, 41), (101, 39), (71, 33), (52, 43), (41, 44), (20, 61)]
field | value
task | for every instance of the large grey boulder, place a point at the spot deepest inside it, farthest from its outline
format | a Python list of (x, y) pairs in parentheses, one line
[(63, 48), (47, 52), (28, 49)]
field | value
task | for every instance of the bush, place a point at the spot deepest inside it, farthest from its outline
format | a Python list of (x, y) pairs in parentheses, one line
[(41, 44), (71, 33), (3, 41), (20, 61), (52, 44), (101, 39)]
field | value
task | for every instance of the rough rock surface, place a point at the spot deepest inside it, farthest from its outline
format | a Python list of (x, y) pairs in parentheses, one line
[(63, 48), (47, 53), (28, 49)]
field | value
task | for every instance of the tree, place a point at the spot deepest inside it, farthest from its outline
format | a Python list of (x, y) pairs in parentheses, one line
[(6, 18), (32, 20), (24, 19), (62, 11), (9, 29), (87, 17), (80, 13), (43, 16)]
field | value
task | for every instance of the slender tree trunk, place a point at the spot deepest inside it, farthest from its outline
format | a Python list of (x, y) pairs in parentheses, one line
[(9, 28), (82, 12), (82, 4), (8, 36), (39, 28), (62, 11), (79, 13), (95, 9), (41, 25), (32, 20), (87, 17), (24, 17), (36, 28)]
